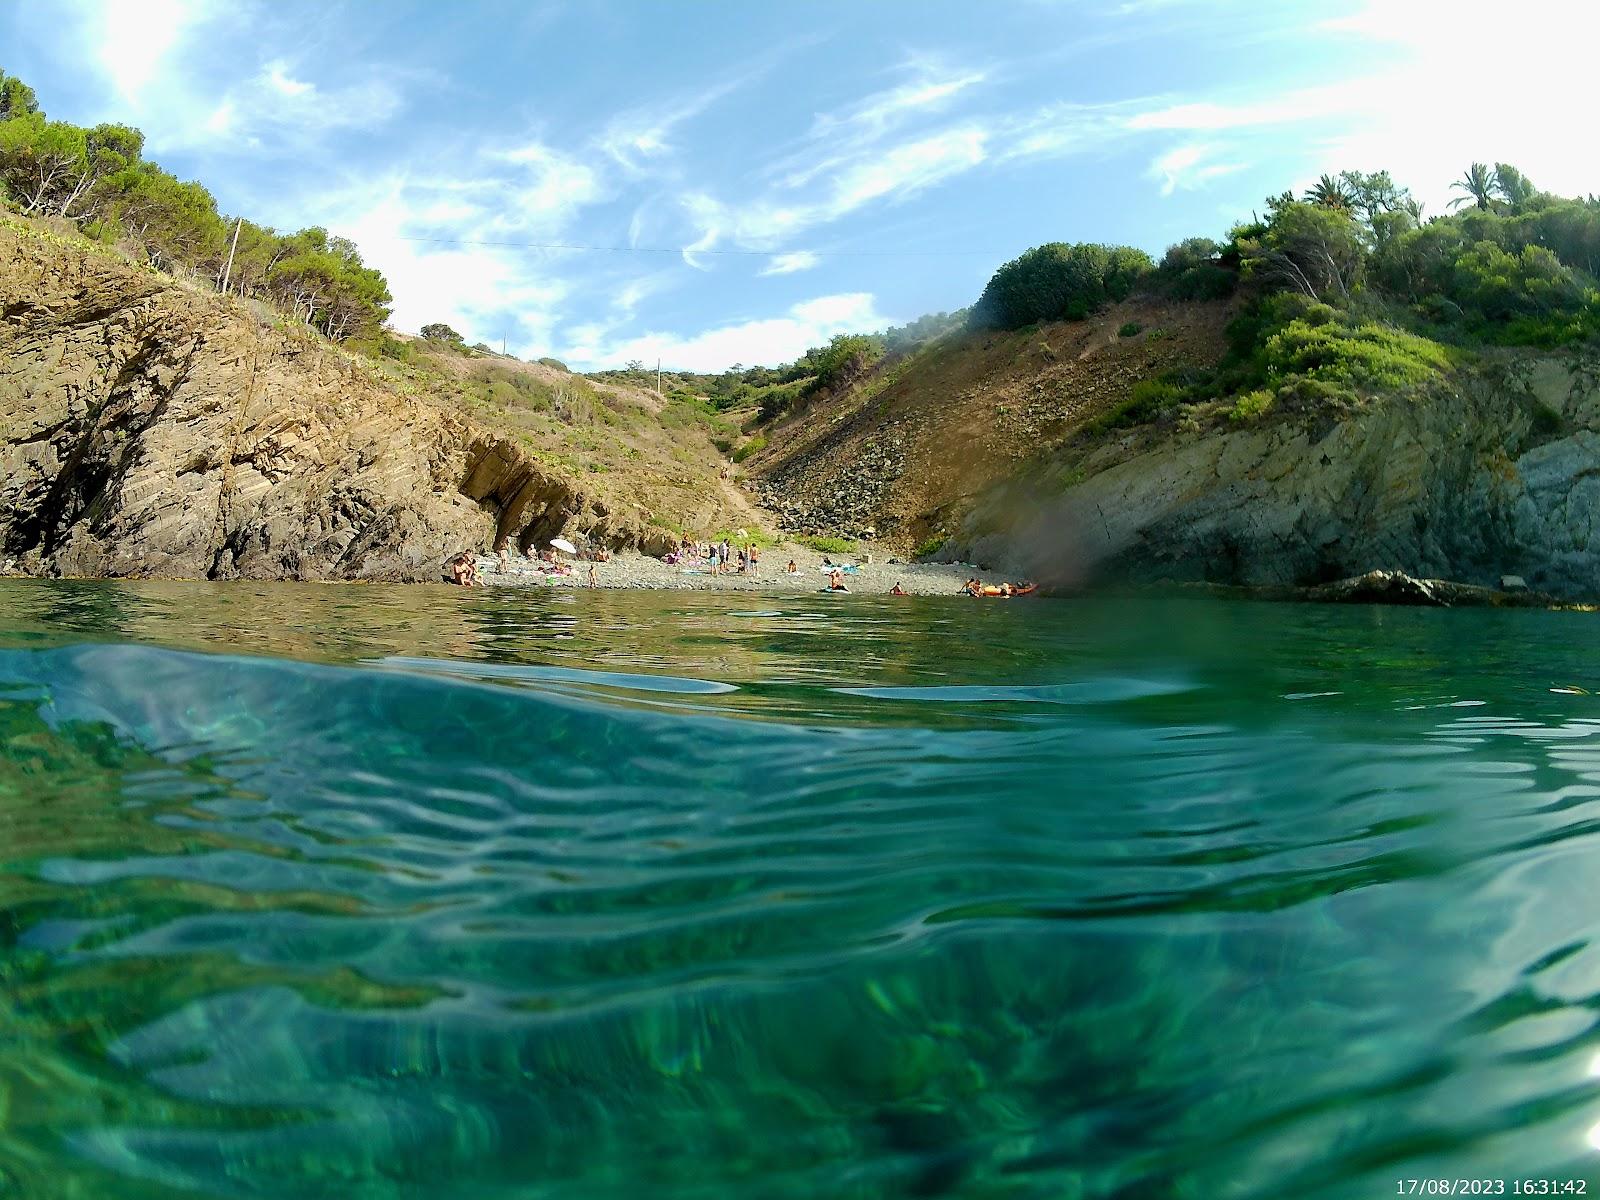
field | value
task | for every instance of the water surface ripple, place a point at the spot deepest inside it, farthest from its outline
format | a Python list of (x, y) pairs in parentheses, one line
[(404, 892)]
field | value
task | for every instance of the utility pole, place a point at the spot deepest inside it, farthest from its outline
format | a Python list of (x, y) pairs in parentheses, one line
[(228, 272)]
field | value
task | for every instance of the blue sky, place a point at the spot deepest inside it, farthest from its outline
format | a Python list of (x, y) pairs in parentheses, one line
[(791, 171)]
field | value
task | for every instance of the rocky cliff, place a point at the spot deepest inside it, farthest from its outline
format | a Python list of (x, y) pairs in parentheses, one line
[(1496, 474), (152, 428)]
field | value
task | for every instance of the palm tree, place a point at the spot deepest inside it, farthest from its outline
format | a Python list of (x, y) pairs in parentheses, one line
[(1329, 192), (1477, 183)]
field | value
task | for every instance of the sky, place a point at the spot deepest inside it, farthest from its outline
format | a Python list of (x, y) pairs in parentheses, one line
[(711, 183)]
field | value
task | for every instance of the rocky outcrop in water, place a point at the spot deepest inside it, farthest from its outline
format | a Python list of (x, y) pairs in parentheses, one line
[(1498, 476), (151, 429)]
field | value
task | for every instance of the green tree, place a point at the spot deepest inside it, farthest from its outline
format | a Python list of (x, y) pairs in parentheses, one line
[(1309, 249), (844, 359), (1512, 186), (175, 223), (1191, 252), (1477, 184), (1329, 192), (440, 332), (1058, 281), (16, 98)]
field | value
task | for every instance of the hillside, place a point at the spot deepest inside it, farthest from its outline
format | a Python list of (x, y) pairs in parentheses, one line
[(151, 427), (905, 453)]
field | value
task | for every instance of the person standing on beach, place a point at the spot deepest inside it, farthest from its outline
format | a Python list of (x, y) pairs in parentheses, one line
[(755, 559), (594, 580)]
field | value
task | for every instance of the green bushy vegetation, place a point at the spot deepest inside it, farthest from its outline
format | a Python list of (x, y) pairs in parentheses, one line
[(1349, 290), (829, 545), (1057, 282), (931, 547), (98, 178), (1198, 269), (754, 446), (773, 391), (1130, 329)]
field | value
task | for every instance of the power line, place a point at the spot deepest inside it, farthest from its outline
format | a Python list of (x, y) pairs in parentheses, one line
[(696, 249)]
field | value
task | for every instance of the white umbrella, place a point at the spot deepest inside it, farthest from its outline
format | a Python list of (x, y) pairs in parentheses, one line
[(563, 545)]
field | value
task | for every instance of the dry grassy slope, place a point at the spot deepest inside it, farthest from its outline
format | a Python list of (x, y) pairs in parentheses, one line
[(907, 452), (149, 427), (651, 462)]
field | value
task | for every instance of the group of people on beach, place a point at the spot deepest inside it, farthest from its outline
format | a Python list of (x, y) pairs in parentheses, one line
[(717, 558)]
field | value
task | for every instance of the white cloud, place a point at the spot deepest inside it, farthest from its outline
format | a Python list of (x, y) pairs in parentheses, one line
[(136, 38), (767, 341), (906, 169), (278, 76), (892, 173), (788, 264), (1418, 113), (874, 113), (1451, 99), (634, 138), (1185, 167), (468, 287), (548, 189)]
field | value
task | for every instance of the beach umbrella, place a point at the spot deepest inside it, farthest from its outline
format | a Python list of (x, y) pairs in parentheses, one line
[(563, 545)]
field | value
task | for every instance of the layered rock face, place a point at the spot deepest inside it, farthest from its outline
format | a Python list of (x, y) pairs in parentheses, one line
[(1498, 476), (147, 429)]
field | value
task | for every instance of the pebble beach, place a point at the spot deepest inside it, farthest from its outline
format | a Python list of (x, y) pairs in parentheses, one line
[(633, 570)]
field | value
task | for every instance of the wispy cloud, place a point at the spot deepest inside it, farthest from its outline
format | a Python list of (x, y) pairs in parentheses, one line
[(274, 105), (638, 138), (1186, 167), (788, 264), (763, 340)]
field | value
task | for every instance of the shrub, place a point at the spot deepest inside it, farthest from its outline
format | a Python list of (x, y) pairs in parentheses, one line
[(556, 363), (440, 332), (930, 547), (778, 400), (754, 446), (829, 545), (1148, 399), (1367, 355), (1205, 282), (1251, 406), (1129, 329), (1059, 281), (843, 360), (1191, 252)]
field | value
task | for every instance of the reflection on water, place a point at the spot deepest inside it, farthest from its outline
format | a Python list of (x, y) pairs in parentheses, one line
[(400, 892)]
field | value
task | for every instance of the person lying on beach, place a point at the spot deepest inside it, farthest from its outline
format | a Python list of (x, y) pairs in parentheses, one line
[(972, 587), (897, 590)]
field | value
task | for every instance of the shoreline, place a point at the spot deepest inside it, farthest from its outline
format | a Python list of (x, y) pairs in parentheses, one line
[(632, 570)]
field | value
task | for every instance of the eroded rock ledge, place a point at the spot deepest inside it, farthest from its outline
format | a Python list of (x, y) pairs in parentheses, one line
[(150, 429)]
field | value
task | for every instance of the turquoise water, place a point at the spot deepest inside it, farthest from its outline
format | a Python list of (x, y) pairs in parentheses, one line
[(367, 892)]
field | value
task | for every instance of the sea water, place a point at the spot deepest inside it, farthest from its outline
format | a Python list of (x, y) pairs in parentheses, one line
[(367, 892)]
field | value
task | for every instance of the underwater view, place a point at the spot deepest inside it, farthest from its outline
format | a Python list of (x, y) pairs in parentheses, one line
[(372, 892)]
